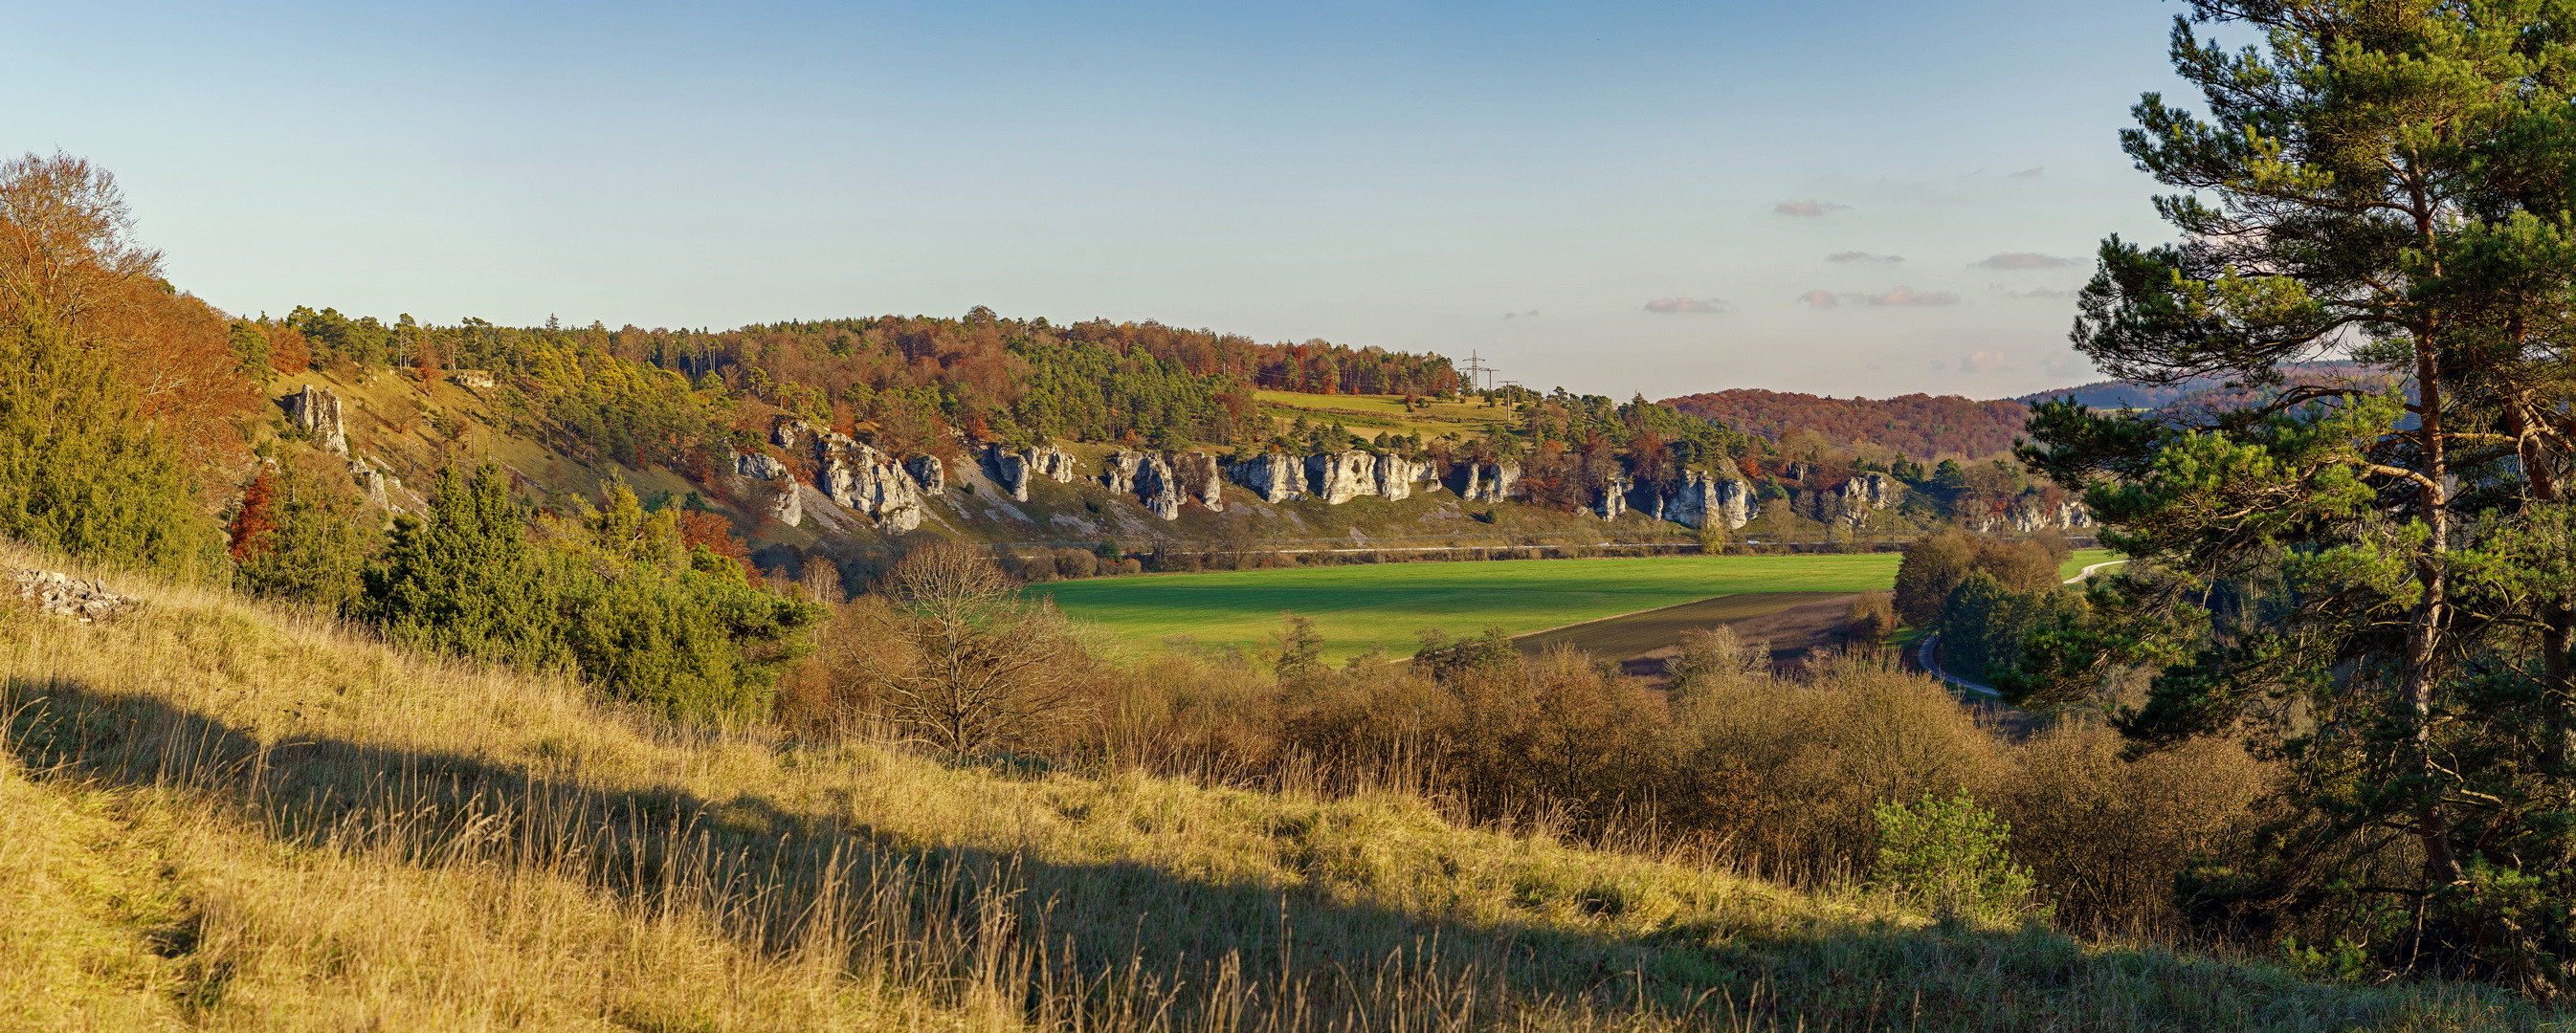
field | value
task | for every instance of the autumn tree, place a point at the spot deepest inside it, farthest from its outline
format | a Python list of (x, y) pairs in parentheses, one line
[(88, 463), (966, 664)]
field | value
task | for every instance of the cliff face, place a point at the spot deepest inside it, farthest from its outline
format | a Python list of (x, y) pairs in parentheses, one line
[(1338, 477), (1704, 501), (783, 503), (858, 476), (1488, 482), (1397, 475), (1876, 490), (1274, 477), (1014, 470)]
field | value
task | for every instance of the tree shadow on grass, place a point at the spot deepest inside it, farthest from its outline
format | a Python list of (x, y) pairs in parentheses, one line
[(1119, 941)]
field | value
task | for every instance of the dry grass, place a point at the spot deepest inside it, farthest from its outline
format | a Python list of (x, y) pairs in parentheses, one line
[(213, 815)]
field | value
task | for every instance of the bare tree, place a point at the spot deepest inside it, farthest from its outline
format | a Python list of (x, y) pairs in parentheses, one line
[(968, 664)]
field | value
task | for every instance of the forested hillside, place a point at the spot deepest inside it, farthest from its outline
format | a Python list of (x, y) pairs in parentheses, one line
[(1925, 427)]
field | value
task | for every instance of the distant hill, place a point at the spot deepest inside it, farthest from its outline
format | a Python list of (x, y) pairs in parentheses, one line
[(1922, 426), (2197, 392)]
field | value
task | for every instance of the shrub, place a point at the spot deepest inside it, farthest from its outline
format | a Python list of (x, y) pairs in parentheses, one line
[(1948, 857)]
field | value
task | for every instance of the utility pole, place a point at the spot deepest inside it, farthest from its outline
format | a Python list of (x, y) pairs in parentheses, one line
[(1476, 369)]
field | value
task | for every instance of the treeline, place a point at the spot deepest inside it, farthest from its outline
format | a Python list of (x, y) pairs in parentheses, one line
[(1924, 427)]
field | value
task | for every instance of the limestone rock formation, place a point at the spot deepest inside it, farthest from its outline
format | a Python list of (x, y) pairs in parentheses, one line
[(787, 504), (1397, 475), (1274, 477), (2031, 516), (759, 465), (862, 478), (1703, 501), (1338, 477), (1488, 482), (1198, 478), (473, 379), (1120, 469), (1614, 499), (1877, 490), (928, 472), (63, 595), (375, 484), (317, 410), (1014, 470)]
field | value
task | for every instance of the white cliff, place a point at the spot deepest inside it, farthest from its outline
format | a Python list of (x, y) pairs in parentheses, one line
[(1274, 477), (1704, 501), (1396, 476), (1876, 490), (1198, 478), (1614, 499), (1338, 477), (1488, 482)]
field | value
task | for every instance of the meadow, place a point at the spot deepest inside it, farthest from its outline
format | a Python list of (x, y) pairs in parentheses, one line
[(1386, 606)]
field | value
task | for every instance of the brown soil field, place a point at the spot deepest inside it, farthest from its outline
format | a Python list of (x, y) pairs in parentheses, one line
[(1792, 622)]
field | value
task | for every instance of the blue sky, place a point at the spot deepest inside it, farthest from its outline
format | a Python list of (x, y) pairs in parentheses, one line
[(1614, 198)]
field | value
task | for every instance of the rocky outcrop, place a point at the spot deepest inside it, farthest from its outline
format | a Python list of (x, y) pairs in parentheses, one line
[(378, 486), (1157, 488), (759, 466), (1397, 475), (1704, 501), (1120, 469), (1274, 477), (2032, 516), (784, 503), (1014, 470), (317, 410), (1875, 490), (862, 478), (1488, 482), (1614, 499), (1338, 477), (854, 475), (62, 595), (792, 434), (928, 472), (473, 379), (1196, 472)]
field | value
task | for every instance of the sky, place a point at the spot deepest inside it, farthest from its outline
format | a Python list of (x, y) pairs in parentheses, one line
[(1858, 198)]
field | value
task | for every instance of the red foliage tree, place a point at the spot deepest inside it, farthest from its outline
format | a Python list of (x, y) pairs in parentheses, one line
[(256, 519)]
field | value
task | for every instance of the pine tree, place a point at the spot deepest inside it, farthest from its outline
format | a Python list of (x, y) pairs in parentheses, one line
[(2371, 585), (463, 578)]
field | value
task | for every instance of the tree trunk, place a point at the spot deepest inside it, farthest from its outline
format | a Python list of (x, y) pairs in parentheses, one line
[(2423, 634)]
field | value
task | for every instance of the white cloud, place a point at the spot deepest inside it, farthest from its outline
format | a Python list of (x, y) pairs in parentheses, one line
[(1670, 305), (2025, 260), (1908, 296), (2029, 173), (2034, 292), (1807, 209), (1981, 362), (1531, 314), (1894, 296), (1863, 256)]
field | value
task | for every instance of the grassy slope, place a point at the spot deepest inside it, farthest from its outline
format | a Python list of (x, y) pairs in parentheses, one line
[(1360, 607), (215, 817)]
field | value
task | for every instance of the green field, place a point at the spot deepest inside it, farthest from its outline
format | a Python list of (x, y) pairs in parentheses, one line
[(1386, 605), (2084, 558)]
